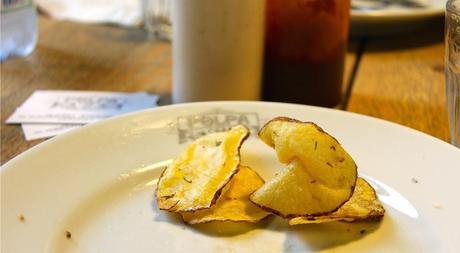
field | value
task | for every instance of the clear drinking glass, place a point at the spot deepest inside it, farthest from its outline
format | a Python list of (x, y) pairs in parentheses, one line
[(157, 18), (453, 68)]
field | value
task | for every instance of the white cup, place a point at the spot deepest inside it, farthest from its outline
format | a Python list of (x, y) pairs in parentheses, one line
[(217, 49)]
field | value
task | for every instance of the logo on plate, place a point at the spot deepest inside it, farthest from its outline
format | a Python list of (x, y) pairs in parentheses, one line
[(191, 127)]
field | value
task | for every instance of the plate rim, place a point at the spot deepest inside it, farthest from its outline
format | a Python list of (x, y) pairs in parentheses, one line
[(401, 15), (396, 15)]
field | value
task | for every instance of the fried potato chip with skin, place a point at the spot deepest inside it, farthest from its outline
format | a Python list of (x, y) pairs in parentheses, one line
[(320, 175), (363, 205), (194, 180), (233, 204)]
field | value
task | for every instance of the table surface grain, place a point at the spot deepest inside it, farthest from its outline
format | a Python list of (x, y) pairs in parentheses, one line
[(398, 78), (401, 79)]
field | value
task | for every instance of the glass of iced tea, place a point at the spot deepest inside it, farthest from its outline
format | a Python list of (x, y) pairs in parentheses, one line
[(305, 48)]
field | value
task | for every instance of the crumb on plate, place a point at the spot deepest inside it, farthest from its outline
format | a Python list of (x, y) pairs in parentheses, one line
[(437, 205)]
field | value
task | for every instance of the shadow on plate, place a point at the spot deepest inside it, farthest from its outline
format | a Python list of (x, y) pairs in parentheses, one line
[(164, 216), (317, 237), (215, 229), (229, 229)]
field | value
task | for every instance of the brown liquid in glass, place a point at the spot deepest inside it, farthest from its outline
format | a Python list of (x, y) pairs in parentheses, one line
[(305, 51)]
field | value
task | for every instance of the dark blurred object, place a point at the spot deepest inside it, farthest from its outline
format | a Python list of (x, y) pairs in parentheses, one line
[(304, 51)]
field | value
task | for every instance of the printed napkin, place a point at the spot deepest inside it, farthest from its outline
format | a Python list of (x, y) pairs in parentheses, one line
[(49, 113)]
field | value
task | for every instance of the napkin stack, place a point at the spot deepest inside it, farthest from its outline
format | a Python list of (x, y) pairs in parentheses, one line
[(122, 12), (49, 113)]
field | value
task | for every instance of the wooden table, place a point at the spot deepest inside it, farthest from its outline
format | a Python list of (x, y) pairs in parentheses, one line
[(397, 78)]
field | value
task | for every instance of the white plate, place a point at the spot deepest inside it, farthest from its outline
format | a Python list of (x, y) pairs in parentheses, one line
[(387, 16), (97, 183)]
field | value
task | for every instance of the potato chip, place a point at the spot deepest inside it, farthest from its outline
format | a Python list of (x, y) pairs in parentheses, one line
[(320, 175), (195, 179), (233, 204), (363, 205)]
